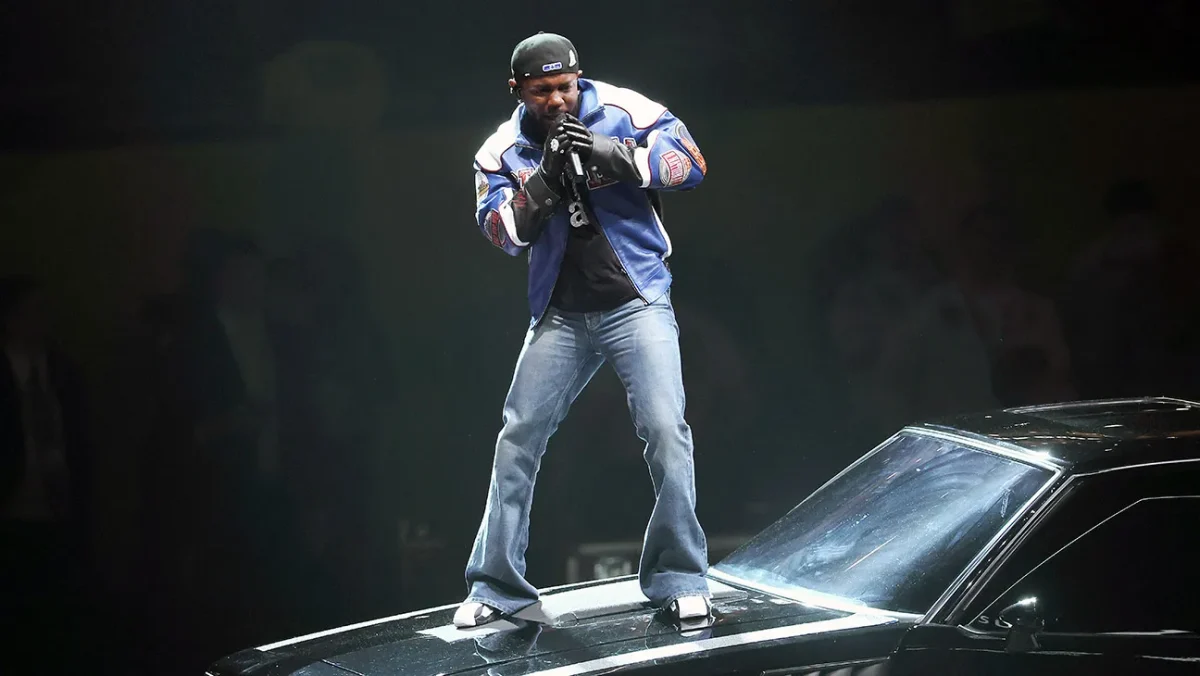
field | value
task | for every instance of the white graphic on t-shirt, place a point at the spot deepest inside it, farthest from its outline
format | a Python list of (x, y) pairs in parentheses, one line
[(578, 214)]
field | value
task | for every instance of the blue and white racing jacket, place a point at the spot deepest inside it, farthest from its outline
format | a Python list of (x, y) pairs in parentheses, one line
[(639, 148)]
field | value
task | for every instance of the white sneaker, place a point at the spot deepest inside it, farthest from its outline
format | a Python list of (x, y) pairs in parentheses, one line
[(472, 614), (691, 607)]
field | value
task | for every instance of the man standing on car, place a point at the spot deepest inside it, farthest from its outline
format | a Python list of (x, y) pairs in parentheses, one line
[(572, 181)]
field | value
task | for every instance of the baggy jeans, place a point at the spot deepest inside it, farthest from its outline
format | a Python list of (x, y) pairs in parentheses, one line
[(559, 357)]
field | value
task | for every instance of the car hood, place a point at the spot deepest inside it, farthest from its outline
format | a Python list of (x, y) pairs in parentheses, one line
[(579, 629)]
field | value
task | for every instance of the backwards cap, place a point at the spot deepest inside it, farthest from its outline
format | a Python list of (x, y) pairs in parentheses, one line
[(544, 54)]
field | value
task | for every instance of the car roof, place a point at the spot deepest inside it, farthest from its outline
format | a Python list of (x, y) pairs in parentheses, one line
[(1087, 436)]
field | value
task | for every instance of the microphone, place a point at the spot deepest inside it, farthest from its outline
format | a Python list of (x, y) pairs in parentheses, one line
[(576, 164)]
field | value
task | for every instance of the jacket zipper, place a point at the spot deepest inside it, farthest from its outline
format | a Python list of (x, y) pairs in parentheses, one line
[(636, 288), (586, 120)]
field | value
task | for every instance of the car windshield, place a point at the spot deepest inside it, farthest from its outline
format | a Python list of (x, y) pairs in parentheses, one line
[(895, 530)]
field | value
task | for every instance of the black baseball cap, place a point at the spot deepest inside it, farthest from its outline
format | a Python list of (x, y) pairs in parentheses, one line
[(544, 54)]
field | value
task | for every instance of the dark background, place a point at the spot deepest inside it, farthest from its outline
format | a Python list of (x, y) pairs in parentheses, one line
[(912, 208)]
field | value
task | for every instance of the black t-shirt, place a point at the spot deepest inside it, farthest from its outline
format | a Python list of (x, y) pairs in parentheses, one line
[(591, 278)]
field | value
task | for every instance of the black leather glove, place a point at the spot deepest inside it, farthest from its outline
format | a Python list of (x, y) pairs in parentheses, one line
[(578, 134), (610, 159), (554, 156)]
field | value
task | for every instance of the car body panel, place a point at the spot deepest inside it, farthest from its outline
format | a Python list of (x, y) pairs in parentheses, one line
[(607, 626), (1091, 436), (957, 651), (589, 629)]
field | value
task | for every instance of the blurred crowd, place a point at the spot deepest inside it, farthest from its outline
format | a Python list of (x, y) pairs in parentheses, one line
[(269, 497), (251, 397), (919, 325)]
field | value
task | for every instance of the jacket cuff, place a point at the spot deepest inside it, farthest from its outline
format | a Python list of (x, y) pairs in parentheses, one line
[(533, 206), (613, 160), (540, 191)]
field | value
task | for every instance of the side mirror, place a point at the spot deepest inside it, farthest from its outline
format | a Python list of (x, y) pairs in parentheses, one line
[(1024, 622)]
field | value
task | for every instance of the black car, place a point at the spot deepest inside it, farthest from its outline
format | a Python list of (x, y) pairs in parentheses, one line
[(1044, 540)]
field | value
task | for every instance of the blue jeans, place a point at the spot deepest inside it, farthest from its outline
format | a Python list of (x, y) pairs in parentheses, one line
[(559, 358)]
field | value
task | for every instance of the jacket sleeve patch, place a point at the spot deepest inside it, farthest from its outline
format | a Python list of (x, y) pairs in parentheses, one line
[(494, 229), (524, 173), (685, 139), (673, 168), (695, 153), (481, 187)]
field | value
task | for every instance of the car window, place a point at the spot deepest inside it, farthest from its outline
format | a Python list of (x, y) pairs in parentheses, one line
[(896, 529), (1134, 572)]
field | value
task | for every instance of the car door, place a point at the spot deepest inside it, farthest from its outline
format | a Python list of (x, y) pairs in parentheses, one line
[(1116, 597)]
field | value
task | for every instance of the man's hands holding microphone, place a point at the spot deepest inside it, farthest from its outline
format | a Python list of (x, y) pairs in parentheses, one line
[(568, 135), (568, 143), (578, 136)]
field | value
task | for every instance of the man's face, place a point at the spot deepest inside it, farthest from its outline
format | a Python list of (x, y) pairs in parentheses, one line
[(548, 97)]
